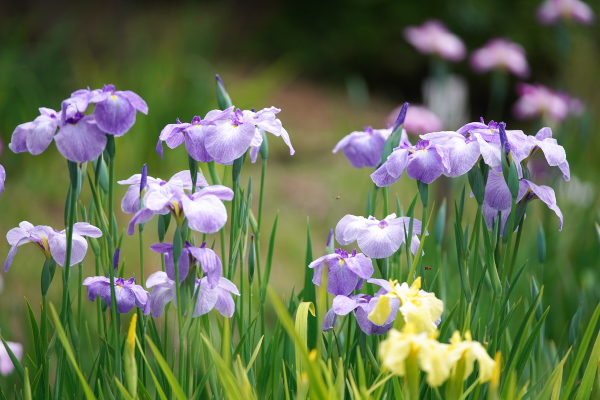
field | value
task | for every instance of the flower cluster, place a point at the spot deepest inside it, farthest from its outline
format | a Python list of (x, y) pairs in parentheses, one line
[(224, 136), (439, 361), (81, 137), (127, 293)]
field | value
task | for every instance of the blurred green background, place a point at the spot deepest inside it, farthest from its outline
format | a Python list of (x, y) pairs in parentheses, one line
[(332, 67)]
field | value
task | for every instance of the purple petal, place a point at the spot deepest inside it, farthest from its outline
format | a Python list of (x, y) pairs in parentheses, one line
[(225, 304), (341, 281), (221, 192), (348, 229), (425, 165), (162, 248), (206, 214), (497, 193), (85, 229), (343, 305), (546, 194), (210, 262), (161, 296), (6, 364), (564, 168), (41, 134), (226, 142), (125, 299), (16, 234), (377, 242), (18, 143), (320, 263), (206, 299), (115, 115), (360, 265), (135, 100), (97, 286), (58, 247), (81, 142), (329, 321), (144, 215), (226, 284), (158, 278), (195, 143), (131, 202), (381, 177)]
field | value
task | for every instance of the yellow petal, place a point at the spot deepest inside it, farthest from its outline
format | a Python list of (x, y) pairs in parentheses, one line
[(382, 311)]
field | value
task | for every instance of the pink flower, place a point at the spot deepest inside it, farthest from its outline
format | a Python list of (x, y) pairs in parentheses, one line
[(419, 120), (537, 100), (434, 38), (501, 54), (553, 11)]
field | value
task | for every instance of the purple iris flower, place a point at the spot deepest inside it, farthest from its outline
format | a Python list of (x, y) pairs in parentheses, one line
[(345, 271), (362, 305), (204, 209), (498, 198), (522, 145), (80, 139), (364, 149), (127, 293), (422, 162), (6, 364), (2, 178), (219, 297), (232, 134), (52, 242), (115, 110), (459, 153), (192, 134), (131, 202), (378, 239), (190, 255)]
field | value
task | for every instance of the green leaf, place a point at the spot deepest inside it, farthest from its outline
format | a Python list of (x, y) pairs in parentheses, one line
[(552, 387), (70, 355), (302, 328), (587, 383), (164, 366), (228, 380), (581, 352)]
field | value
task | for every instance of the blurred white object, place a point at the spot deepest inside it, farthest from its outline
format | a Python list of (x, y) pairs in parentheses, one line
[(577, 192), (447, 98)]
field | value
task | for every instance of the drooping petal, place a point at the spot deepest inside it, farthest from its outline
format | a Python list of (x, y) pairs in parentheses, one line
[(206, 299), (225, 304), (85, 229), (220, 191), (173, 134), (329, 321), (58, 247), (125, 299), (320, 264), (360, 265), (195, 143), (546, 194), (18, 142), (226, 142), (135, 100), (341, 281), (13, 252), (115, 115), (425, 165), (97, 286), (206, 214), (15, 234), (144, 215), (162, 294), (41, 134), (81, 142), (343, 305), (210, 262)]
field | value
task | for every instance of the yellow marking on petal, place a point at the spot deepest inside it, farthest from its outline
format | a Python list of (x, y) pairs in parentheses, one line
[(177, 209), (119, 287), (114, 97), (342, 262), (411, 151), (424, 150)]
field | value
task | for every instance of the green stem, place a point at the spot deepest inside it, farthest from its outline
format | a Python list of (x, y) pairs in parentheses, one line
[(385, 193)]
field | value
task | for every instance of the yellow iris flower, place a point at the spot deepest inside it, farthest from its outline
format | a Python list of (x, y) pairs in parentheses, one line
[(469, 351), (420, 308)]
